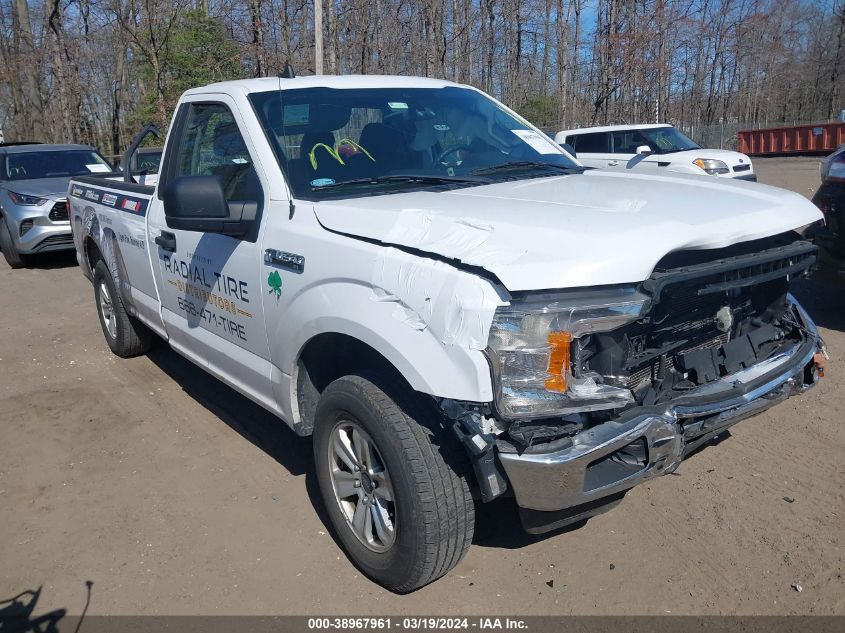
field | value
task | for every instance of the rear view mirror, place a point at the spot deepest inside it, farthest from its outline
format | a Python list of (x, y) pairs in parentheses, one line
[(569, 149), (643, 150), (197, 203)]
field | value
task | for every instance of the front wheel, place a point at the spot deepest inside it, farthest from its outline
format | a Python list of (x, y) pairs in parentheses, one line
[(7, 245), (392, 481)]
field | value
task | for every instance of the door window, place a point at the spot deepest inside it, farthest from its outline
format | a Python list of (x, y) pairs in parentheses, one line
[(593, 143), (212, 145), (627, 141)]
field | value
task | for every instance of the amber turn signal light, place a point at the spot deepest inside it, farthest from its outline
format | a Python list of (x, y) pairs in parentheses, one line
[(558, 361)]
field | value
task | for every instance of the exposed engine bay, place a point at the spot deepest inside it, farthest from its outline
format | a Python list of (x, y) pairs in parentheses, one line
[(711, 314), (708, 319)]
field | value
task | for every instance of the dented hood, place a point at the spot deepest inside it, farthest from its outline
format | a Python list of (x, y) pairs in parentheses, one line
[(587, 229)]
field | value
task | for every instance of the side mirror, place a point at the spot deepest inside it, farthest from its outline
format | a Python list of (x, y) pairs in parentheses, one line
[(197, 203), (643, 150), (569, 149)]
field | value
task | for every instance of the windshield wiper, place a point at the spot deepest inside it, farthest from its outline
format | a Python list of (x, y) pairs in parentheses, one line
[(426, 179), (527, 164)]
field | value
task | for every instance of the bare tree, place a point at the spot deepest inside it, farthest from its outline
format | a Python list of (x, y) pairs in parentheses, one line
[(109, 64)]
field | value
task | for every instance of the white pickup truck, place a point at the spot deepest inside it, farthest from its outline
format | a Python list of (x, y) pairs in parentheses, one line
[(452, 305)]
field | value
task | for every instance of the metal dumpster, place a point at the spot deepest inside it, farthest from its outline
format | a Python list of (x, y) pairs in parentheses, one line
[(820, 138)]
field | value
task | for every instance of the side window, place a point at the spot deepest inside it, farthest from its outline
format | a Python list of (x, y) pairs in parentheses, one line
[(595, 143), (627, 141), (212, 145)]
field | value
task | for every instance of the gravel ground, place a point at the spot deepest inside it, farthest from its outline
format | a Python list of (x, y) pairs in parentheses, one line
[(174, 495)]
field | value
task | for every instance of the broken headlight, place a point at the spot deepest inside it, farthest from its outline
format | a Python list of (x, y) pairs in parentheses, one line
[(530, 346)]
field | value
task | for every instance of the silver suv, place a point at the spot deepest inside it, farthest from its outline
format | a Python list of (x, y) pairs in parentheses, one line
[(33, 196)]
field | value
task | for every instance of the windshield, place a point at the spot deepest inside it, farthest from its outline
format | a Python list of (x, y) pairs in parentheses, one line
[(54, 164), (665, 140), (351, 142)]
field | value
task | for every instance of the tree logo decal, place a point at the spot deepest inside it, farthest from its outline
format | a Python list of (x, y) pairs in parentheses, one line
[(275, 283)]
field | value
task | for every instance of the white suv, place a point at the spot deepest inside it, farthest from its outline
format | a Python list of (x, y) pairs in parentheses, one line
[(652, 148)]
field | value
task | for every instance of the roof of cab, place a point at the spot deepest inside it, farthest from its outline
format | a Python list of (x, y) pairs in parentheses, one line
[(266, 84), (614, 128)]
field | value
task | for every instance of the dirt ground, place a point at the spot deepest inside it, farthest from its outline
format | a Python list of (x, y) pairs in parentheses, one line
[(174, 495)]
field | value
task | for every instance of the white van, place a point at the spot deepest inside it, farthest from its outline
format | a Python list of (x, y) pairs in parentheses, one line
[(652, 148)]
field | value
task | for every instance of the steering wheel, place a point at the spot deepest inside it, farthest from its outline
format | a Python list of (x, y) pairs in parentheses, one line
[(451, 150)]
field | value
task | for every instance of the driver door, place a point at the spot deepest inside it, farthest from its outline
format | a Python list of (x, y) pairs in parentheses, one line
[(211, 301)]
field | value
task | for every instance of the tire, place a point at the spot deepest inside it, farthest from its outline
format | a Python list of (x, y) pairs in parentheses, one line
[(431, 512), (7, 245), (125, 335)]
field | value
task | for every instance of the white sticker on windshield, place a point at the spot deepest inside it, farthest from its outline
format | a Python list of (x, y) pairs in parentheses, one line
[(537, 142), (397, 105), (295, 114), (98, 168), (240, 161)]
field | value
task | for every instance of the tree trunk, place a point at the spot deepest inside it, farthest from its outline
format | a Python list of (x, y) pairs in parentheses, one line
[(30, 89)]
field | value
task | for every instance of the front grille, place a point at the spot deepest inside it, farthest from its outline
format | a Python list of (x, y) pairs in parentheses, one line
[(59, 211), (742, 167), (731, 272), (702, 300)]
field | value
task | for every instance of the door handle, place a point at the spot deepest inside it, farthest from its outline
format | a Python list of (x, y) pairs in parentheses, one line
[(282, 259), (167, 241), (612, 163)]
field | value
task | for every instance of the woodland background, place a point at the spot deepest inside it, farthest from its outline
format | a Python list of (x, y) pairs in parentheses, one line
[(93, 71)]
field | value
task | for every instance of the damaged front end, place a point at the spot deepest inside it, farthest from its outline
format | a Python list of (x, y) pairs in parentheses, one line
[(599, 390)]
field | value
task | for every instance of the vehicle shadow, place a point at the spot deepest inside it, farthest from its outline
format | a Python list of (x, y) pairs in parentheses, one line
[(242, 415), (16, 614), (497, 526), (252, 422), (51, 261), (824, 299)]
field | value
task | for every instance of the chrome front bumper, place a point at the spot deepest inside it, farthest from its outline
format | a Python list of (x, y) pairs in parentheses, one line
[(586, 472)]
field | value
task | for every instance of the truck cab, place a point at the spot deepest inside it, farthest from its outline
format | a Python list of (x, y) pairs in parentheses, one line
[(449, 303)]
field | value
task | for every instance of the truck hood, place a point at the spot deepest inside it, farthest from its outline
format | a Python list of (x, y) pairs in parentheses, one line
[(44, 187), (589, 229)]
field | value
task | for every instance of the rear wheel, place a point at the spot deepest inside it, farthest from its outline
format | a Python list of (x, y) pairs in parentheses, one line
[(125, 335), (392, 481), (10, 253)]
